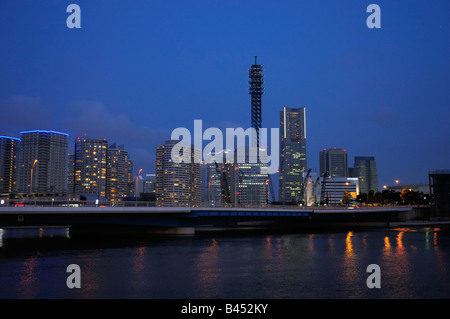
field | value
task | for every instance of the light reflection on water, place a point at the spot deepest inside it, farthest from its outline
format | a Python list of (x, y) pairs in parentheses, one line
[(413, 262), (206, 264), (28, 278)]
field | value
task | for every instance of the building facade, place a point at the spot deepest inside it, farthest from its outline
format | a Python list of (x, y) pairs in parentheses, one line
[(330, 190), (218, 179), (249, 179), (177, 184), (439, 181), (70, 172), (365, 169), (117, 173), (334, 162), (90, 167), (292, 153), (9, 153), (131, 181), (43, 162), (213, 184), (150, 184)]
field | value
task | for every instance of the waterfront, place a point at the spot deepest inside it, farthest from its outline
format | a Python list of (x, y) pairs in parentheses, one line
[(413, 262)]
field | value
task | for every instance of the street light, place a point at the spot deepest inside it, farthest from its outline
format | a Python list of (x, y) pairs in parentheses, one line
[(31, 182)]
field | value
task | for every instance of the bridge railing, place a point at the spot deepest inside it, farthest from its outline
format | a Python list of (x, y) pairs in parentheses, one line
[(45, 202)]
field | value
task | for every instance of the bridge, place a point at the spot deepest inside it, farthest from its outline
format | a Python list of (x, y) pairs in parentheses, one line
[(191, 220)]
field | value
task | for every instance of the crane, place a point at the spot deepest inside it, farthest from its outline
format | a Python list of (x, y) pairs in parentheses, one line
[(226, 199), (322, 192)]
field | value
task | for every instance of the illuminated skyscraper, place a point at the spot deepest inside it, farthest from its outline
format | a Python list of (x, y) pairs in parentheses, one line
[(70, 172), (90, 167), (177, 184), (292, 154), (9, 153), (250, 179), (43, 162), (150, 184), (365, 169), (213, 179), (218, 179), (117, 173), (131, 180), (334, 161)]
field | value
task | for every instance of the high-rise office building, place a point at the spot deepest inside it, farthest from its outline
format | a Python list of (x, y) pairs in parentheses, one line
[(334, 161), (204, 182), (365, 169), (177, 184), (212, 181), (150, 184), (90, 167), (70, 172), (43, 162), (250, 178), (117, 174), (9, 153), (331, 190), (131, 180), (292, 153), (218, 179)]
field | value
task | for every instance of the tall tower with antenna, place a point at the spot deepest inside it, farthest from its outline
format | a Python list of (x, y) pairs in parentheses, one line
[(256, 90)]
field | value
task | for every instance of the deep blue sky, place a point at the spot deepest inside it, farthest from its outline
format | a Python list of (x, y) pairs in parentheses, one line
[(138, 69)]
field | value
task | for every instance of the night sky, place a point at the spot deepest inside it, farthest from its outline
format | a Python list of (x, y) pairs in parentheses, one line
[(138, 69)]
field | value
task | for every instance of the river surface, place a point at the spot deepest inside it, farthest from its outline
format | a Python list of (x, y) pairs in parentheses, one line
[(413, 263)]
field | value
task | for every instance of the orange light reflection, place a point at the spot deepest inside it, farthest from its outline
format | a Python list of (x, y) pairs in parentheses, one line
[(28, 278), (349, 245), (400, 248), (207, 267), (387, 244)]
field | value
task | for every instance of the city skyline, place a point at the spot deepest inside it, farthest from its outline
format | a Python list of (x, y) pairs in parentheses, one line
[(375, 93), (230, 156)]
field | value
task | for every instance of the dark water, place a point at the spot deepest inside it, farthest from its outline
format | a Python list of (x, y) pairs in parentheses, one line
[(414, 263)]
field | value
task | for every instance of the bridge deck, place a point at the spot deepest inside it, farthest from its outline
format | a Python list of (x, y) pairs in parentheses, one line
[(101, 218), (190, 210)]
